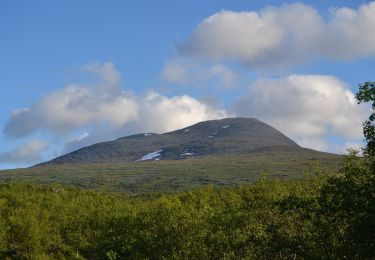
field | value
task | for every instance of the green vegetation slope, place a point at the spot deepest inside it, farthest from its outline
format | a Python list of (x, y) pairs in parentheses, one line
[(283, 162), (328, 216)]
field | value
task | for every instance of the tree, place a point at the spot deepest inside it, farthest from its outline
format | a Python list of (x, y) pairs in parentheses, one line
[(366, 93)]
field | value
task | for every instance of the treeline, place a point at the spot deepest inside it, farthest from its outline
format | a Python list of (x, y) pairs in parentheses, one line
[(328, 216)]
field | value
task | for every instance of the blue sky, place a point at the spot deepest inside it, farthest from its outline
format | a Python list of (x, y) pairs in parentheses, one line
[(154, 55)]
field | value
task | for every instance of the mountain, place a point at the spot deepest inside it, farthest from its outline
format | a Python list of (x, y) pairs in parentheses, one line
[(227, 152), (228, 136)]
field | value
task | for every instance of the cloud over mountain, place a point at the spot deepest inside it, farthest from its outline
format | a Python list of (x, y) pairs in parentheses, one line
[(277, 36), (29, 152), (107, 109), (308, 108)]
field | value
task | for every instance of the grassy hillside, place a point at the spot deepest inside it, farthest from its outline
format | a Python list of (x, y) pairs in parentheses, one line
[(330, 216), (285, 163)]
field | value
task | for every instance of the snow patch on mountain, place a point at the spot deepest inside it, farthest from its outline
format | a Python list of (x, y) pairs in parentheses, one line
[(187, 154), (151, 156)]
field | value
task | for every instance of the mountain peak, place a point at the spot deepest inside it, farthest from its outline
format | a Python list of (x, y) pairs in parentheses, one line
[(213, 137)]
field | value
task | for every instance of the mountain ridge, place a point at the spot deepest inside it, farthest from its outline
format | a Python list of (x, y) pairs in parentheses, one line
[(213, 137)]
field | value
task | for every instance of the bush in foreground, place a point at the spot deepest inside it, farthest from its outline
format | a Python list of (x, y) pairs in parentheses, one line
[(326, 216)]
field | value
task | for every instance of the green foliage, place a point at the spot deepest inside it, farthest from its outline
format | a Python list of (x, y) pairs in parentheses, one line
[(347, 202), (326, 216), (366, 93), (284, 163)]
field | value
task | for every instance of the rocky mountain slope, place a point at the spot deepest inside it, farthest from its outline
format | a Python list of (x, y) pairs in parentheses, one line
[(228, 136)]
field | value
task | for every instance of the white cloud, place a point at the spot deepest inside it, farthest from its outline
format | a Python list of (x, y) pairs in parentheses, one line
[(26, 153), (187, 73), (76, 106), (308, 108), (350, 33), (161, 114), (106, 110), (284, 35)]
